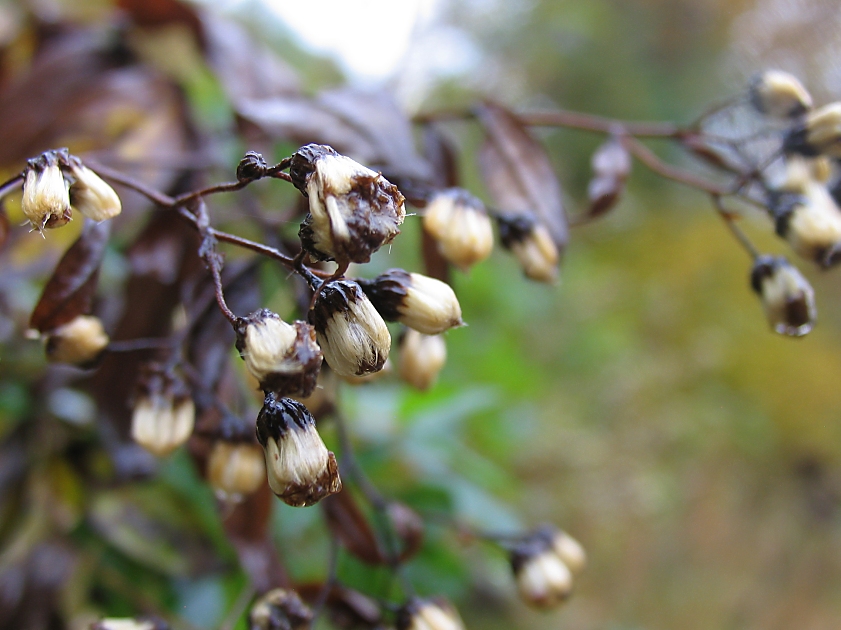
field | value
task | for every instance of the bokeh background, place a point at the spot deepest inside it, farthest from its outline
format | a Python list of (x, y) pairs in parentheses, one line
[(643, 404)]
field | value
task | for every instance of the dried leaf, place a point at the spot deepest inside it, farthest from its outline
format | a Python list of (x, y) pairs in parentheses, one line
[(154, 13), (518, 172), (611, 166), (408, 525), (347, 608), (347, 523), (69, 292)]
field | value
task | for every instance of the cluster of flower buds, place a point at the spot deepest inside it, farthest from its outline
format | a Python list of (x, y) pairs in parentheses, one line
[(56, 182), (417, 301), (235, 469), (280, 609), (532, 244), (429, 614), (779, 94), (460, 225), (284, 358), (164, 413), (544, 563), (130, 624), (353, 211), (787, 297), (422, 357), (301, 470), (353, 336), (79, 342)]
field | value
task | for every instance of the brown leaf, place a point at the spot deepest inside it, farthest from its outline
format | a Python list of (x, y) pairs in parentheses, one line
[(154, 13), (69, 292), (611, 166), (347, 523), (408, 525), (518, 173), (347, 608)]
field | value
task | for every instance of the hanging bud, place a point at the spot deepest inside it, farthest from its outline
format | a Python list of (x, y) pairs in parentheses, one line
[(284, 358), (163, 416), (779, 94), (569, 550), (350, 331), (301, 470), (45, 201), (279, 609), (532, 244), (543, 562), (819, 133), (372, 377), (235, 469), (417, 301), (130, 624), (459, 223), (252, 166), (353, 210), (422, 357), (811, 223), (79, 342), (787, 297), (429, 614), (89, 194)]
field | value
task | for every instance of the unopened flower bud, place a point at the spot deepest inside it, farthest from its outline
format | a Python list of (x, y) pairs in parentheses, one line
[(45, 201), (130, 624), (252, 166), (429, 614), (787, 297), (570, 551), (300, 468), (279, 609), (284, 358), (371, 377), (353, 210), (350, 331), (819, 133), (79, 342), (422, 357), (533, 246), (459, 223), (811, 223), (779, 94), (90, 194), (543, 579), (417, 301), (163, 416), (235, 469)]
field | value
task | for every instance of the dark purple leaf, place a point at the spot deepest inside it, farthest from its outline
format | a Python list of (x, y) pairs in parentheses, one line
[(347, 523)]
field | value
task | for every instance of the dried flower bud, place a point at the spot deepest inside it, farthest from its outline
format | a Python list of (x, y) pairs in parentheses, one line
[(422, 357), (533, 246), (417, 301), (279, 609), (235, 469), (45, 201), (570, 551), (283, 357), (811, 223), (459, 223), (429, 614), (163, 416), (371, 377), (819, 133), (79, 342), (543, 562), (353, 210), (779, 94), (301, 470), (130, 624), (787, 297), (350, 331), (252, 166), (90, 194)]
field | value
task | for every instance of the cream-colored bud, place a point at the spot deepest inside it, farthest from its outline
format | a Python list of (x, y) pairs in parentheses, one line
[(353, 211), (372, 377), (538, 255), (459, 223), (161, 422), (79, 342), (820, 133), (544, 580), (235, 469), (91, 195), (813, 226), (300, 469), (787, 297), (422, 357), (352, 334), (280, 609), (128, 624), (779, 94), (45, 201), (570, 551), (429, 614), (284, 358)]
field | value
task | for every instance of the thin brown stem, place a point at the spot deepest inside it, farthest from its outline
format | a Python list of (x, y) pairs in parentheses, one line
[(729, 219), (10, 184), (653, 162)]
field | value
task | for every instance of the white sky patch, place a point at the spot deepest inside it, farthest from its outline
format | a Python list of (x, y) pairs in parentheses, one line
[(368, 38)]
